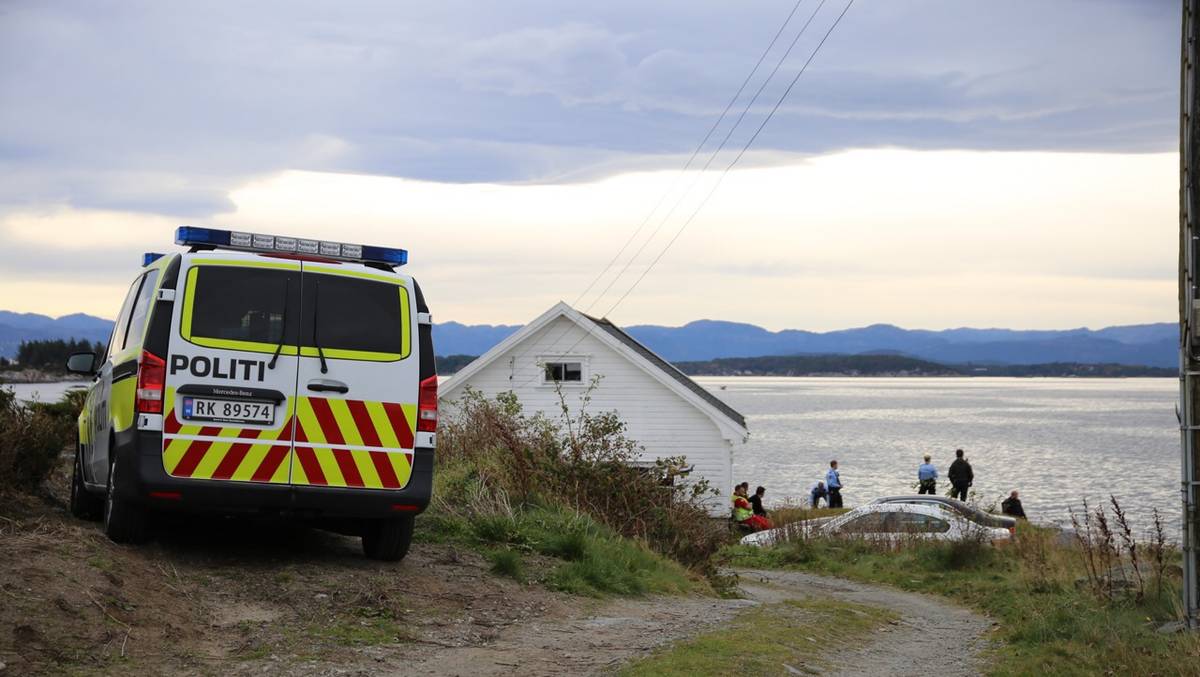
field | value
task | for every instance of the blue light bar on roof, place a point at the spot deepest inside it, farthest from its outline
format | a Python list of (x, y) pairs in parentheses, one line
[(194, 236), (150, 257)]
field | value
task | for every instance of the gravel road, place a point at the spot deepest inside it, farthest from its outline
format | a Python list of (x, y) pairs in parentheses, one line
[(931, 637)]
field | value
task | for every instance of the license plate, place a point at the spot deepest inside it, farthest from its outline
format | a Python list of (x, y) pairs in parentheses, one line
[(228, 411)]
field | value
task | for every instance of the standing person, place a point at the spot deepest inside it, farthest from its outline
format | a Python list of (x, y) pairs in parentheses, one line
[(961, 476), (1011, 506), (816, 493), (927, 476), (756, 502), (833, 484)]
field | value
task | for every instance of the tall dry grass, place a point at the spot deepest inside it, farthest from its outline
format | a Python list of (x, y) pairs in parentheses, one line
[(494, 459)]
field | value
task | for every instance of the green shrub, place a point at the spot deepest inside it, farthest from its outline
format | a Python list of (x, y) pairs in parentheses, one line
[(496, 465), (31, 439)]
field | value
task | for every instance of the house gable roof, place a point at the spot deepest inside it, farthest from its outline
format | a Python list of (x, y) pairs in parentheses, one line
[(726, 417), (668, 369)]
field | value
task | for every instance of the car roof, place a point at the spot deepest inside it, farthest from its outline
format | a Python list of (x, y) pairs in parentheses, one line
[(920, 498), (922, 508)]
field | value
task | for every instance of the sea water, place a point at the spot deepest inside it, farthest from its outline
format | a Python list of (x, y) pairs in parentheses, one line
[(1058, 441)]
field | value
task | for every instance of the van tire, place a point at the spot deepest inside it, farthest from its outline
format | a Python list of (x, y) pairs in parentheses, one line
[(124, 520), (387, 539), (84, 504)]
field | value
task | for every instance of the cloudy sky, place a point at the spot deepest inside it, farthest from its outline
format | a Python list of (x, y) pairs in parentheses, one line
[(940, 163)]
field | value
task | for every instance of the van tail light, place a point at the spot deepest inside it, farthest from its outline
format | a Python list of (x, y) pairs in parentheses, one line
[(152, 375), (427, 406)]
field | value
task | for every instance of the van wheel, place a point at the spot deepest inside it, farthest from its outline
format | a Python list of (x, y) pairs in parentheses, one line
[(387, 539), (124, 520), (84, 504)]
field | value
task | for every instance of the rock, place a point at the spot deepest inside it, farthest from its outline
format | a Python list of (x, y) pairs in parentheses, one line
[(1172, 628)]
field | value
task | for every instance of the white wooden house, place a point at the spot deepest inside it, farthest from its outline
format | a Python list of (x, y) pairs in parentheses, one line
[(666, 412)]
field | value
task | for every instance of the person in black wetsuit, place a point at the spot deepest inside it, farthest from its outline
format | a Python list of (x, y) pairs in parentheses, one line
[(1011, 506), (756, 501)]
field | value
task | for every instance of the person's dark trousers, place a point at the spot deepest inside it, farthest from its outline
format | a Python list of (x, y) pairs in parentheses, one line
[(928, 487), (959, 491), (834, 500)]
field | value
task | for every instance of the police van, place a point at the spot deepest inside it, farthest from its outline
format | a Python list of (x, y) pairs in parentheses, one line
[(266, 375)]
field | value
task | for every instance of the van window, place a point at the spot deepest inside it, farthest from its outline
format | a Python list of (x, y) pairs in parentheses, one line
[(356, 314), (141, 308), (117, 342), (234, 303)]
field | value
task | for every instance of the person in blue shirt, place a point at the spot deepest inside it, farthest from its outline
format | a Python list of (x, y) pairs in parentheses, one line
[(815, 495), (927, 476), (833, 484)]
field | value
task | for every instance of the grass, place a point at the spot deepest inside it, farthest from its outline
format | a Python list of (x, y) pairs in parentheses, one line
[(585, 558), (508, 563), (765, 639), (1048, 624), (359, 630)]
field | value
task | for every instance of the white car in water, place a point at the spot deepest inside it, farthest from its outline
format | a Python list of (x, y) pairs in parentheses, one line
[(887, 522)]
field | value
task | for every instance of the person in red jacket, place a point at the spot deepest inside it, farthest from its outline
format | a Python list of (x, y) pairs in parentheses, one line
[(743, 512)]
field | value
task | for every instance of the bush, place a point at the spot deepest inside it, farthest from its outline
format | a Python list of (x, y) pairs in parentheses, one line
[(32, 438), (495, 463)]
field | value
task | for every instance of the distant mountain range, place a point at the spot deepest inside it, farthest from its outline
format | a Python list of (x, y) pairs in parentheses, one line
[(1153, 345), (17, 327), (1144, 344), (875, 364)]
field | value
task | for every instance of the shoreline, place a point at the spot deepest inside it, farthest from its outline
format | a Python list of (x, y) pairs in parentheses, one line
[(35, 377)]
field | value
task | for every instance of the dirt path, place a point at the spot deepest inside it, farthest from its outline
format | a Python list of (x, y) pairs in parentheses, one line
[(602, 638), (932, 637)]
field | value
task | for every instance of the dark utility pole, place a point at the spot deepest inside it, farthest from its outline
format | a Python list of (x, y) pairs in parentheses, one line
[(1189, 298)]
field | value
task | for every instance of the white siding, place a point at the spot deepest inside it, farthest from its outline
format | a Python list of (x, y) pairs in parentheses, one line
[(657, 418)]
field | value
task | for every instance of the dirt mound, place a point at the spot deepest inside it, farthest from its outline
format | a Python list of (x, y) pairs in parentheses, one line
[(235, 596)]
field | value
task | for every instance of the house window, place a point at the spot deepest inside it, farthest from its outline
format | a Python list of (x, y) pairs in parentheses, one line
[(563, 372)]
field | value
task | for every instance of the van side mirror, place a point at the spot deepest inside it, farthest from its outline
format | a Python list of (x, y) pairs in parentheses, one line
[(82, 363)]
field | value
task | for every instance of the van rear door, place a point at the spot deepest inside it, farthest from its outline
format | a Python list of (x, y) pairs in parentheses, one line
[(231, 370), (356, 399)]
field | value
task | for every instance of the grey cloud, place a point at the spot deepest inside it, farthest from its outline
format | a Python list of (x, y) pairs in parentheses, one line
[(166, 107)]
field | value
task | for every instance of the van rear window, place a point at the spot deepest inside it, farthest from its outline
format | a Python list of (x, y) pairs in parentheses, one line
[(347, 313), (234, 303)]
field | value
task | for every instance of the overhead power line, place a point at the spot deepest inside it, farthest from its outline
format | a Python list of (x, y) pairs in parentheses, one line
[(721, 177), (687, 165), (734, 162), (712, 156), (695, 152)]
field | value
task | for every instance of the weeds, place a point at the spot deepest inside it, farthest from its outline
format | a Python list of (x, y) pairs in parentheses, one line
[(496, 463), (1113, 559), (32, 437)]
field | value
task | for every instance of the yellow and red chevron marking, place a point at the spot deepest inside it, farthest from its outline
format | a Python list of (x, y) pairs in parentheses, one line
[(226, 453), (352, 443)]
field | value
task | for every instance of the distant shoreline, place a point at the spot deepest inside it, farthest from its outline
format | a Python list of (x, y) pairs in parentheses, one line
[(35, 376)]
